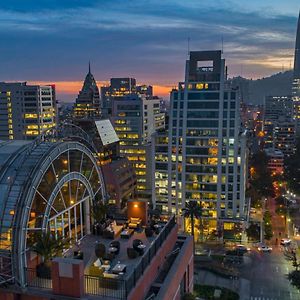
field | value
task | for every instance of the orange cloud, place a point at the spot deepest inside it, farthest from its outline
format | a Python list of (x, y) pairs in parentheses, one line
[(73, 87)]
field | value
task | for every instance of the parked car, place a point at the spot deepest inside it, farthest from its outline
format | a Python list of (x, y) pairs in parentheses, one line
[(285, 242), (242, 248), (264, 248)]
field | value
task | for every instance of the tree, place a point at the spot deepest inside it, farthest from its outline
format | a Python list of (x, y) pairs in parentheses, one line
[(268, 225), (281, 211), (292, 170), (99, 211), (194, 210), (253, 232), (280, 200), (261, 180)]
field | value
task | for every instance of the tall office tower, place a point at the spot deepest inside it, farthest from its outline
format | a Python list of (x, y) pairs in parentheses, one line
[(278, 110), (207, 157), (26, 110), (120, 87), (296, 81), (87, 104), (135, 119)]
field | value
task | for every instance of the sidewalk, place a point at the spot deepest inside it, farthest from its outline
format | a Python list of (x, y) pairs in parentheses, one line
[(241, 286)]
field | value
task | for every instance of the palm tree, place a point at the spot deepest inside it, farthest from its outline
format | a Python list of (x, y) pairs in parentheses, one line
[(194, 210), (99, 211), (47, 245)]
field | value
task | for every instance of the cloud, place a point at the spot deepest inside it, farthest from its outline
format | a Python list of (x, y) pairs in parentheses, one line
[(53, 40)]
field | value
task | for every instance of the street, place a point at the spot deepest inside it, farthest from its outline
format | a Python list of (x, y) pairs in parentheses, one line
[(267, 275)]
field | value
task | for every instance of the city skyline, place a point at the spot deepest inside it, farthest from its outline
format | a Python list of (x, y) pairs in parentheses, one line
[(139, 40)]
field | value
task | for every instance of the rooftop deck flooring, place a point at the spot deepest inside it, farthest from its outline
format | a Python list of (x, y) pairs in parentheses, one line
[(87, 246)]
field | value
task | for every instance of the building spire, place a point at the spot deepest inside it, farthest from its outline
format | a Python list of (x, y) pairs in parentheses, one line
[(297, 52), (89, 67)]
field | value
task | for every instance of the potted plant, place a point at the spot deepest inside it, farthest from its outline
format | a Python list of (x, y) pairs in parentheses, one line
[(47, 246)]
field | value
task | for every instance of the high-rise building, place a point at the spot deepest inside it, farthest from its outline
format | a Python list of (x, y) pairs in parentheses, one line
[(26, 110), (285, 137), (206, 160), (135, 119), (120, 87), (278, 112), (296, 81), (87, 104)]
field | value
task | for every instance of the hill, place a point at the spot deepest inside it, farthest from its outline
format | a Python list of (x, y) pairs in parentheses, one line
[(254, 91)]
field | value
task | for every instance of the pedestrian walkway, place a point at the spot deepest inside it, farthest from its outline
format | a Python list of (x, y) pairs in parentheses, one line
[(275, 295)]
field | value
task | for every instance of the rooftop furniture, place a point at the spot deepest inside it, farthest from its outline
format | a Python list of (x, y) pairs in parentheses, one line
[(116, 245), (119, 268), (132, 253), (108, 234), (95, 271), (148, 232), (127, 233), (100, 250), (105, 264), (134, 223), (138, 246)]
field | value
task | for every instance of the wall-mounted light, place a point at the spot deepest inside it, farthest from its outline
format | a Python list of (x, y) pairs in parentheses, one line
[(135, 205)]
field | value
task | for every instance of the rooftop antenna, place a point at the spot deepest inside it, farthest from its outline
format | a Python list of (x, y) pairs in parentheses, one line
[(188, 46)]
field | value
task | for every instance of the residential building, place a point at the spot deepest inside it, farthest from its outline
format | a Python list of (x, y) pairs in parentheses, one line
[(276, 161), (87, 104), (285, 137), (206, 160), (278, 111), (26, 110), (135, 119)]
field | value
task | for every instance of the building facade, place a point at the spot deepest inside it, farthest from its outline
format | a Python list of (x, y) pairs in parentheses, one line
[(206, 159), (120, 87), (135, 119), (26, 110), (279, 125), (296, 80)]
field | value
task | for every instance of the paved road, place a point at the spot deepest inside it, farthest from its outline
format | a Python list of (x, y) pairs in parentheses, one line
[(267, 275)]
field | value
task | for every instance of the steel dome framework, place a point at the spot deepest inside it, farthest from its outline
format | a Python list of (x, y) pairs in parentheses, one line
[(47, 184)]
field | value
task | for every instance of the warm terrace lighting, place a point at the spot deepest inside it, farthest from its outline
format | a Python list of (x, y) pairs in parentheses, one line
[(65, 161), (135, 205), (32, 214)]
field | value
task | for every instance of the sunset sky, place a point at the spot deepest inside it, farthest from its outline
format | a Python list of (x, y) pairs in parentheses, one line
[(52, 41)]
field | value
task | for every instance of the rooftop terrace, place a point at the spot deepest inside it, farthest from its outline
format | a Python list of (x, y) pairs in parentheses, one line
[(112, 282)]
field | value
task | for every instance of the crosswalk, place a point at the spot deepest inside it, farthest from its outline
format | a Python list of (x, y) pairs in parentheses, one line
[(284, 296), (263, 298)]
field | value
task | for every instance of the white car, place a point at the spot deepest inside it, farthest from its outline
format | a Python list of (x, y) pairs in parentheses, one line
[(264, 248), (285, 242)]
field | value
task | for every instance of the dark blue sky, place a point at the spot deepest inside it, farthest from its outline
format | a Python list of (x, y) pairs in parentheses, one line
[(53, 40)]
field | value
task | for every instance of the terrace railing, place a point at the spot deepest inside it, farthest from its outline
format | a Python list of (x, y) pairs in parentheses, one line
[(43, 281), (149, 255)]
